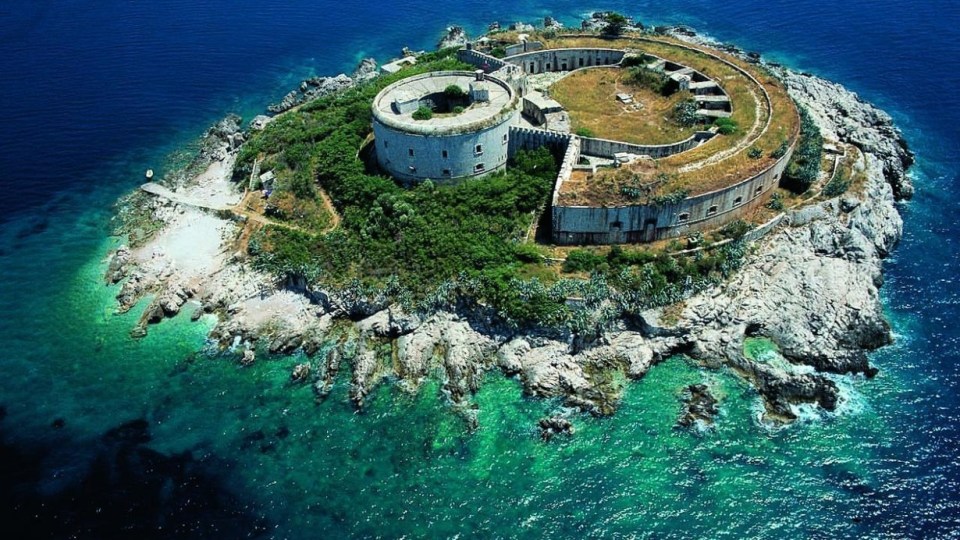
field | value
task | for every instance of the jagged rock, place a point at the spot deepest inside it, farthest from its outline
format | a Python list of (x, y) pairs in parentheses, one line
[(300, 373), (249, 357), (455, 36), (366, 70), (555, 425), (549, 23), (324, 382), (598, 23), (118, 262), (699, 406), (522, 27), (222, 130), (259, 122)]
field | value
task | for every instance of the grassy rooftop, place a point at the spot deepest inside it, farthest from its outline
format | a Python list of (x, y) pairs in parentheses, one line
[(590, 97), (723, 161)]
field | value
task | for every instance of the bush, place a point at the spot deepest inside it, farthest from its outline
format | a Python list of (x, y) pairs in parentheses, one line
[(653, 79), (423, 113), (837, 186), (454, 91), (685, 113), (735, 229), (804, 166), (755, 153), (725, 126), (674, 197), (615, 24), (585, 132), (634, 61), (499, 52), (781, 150), (457, 110), (582, 260), (776, 202)]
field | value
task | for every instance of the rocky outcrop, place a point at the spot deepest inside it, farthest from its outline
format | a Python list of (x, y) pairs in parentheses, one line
[(842, 115), (455, 36), (811, 286), (318, 87), (599, 22), (699, 406), (553, 426)]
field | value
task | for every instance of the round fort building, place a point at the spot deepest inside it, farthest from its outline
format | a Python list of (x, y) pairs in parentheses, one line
[(467, 135)]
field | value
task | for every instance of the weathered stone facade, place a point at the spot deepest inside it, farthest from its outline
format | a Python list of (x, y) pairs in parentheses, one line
[(446, 147)]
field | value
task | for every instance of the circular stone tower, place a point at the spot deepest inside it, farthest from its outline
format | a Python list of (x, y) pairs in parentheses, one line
[(467, 134)]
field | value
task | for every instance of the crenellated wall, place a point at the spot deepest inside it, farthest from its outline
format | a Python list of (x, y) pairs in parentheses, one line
[(480, 60)]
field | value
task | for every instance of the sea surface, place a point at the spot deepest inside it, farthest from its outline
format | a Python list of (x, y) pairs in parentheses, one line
[(102, 436)]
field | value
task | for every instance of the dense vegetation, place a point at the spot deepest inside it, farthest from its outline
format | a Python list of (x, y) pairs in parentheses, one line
[(804, 166), (436, 245)]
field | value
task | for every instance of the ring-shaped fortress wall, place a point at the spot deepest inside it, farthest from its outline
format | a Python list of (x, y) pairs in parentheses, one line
[(573, 225), (447, 146)]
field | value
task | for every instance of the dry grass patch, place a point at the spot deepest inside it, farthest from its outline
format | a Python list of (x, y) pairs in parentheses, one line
[(590, 97)]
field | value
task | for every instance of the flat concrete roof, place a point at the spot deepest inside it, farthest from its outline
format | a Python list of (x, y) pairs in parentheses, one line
[(478, 115)]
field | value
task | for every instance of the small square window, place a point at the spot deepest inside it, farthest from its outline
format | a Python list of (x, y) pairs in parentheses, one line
[(504, 138), (479, 167), (479, 149), (445, 156), (683, 217), (712, 210), (410, 152), (738, 201), (758, 190), (446, 172)]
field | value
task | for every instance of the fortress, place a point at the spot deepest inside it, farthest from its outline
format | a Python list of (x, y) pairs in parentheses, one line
[(613, 186)]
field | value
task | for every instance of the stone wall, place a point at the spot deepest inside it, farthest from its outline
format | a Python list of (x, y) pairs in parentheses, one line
[(480, 60), (549, 60), (412, 157), (526, 46), (647, 223), (604, 148)]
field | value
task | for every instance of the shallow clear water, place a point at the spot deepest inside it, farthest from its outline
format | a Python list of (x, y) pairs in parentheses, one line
[(96, 93)]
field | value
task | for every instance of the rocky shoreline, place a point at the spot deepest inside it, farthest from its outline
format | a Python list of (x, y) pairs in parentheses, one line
[(811, 286)]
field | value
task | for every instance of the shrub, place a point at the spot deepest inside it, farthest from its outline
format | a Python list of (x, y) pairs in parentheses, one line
[(674, 197), (776, 202), (804, 166), (582, 260), (781, 150), (423, 113), (653, 79), (837, 186), (755, 153), (585, 132), (735, 229), (499, 52), (457, 110), (685, 113), (454, 91), (725, 126)]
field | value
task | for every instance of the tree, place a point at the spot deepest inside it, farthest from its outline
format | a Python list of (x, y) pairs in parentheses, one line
[(615, 24)]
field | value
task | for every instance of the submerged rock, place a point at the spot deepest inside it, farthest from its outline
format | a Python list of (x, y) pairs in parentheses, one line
[(699, 406), (553, 426)]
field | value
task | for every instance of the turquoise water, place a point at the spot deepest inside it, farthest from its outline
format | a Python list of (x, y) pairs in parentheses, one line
[(105, 92)]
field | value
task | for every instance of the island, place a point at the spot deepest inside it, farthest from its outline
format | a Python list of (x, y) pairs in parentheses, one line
[(569, 207)]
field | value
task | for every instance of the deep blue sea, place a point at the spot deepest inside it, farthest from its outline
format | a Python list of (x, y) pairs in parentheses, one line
[(102, 436)]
